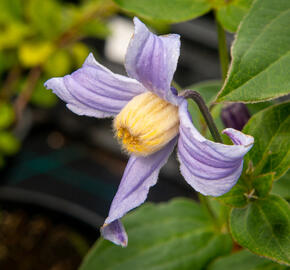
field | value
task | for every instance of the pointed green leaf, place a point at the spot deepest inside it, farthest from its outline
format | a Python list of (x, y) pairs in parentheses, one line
[(262, 184), (271, 150), (261, 55), (282, 187), (245, 260), (176, 235), (168, 11), (263, 227), (230, 13)]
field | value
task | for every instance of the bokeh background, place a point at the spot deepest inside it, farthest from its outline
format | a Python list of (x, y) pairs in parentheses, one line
[(59, 171)]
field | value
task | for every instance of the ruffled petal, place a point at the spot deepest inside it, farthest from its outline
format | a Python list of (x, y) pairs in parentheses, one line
[(152, 60), (115, 233), (93, 90), (210, 168), (140, 174)]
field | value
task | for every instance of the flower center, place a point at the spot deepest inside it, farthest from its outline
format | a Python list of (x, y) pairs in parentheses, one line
[(146, 124)]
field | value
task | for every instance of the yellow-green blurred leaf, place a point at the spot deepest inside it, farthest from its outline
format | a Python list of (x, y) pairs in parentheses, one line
[(6, 115), (95, 28), (10, 10), (8, 58), (58, 64), (9, 144), (12, 34), (34, 53), (45, 16), (79, 51), (42, 97)]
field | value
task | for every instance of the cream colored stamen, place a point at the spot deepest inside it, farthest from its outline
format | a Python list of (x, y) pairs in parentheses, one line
[(146, 124)]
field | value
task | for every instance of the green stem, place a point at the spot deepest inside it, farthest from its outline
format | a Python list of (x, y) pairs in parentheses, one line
[(223, 51), (204, 201), (205, 112)]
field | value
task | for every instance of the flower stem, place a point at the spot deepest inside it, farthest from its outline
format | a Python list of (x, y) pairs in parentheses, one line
[(194, 95), (223, 51), (204, 201)]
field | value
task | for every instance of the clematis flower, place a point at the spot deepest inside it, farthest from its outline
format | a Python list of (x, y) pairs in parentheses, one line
[(149, 120)]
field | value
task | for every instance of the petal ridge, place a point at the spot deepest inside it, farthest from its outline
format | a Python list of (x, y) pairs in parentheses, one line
[(140, 174), (152, 60), (210, 168), (94, 90)]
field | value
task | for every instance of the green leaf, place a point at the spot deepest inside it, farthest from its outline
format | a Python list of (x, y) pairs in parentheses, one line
[(261, 55), (271, 150), (45, 17), (221, 212), (263, 227), (58, 64), (175, 235), (230, 13), (172, 11), (12, 34), (79, 52), (282, 187), (7, 60), (95, 28), (10, 10), (42, 97), (6, 115), (35, 53), (263, 184), (245, 260), (9, 145), (248, 188), (256, 107)]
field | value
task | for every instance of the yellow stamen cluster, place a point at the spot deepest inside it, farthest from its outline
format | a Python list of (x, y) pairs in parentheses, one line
[(146, 124)]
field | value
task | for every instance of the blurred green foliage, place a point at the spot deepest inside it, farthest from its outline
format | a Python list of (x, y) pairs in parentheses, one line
[(38, 40)]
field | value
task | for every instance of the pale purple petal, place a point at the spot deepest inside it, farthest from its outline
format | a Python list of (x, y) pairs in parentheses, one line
[(93, 90), (152, 60), (115, 233), (140, 174), (210, 168)]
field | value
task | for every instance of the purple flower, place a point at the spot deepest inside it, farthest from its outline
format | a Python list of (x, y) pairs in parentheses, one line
[(149, 119)]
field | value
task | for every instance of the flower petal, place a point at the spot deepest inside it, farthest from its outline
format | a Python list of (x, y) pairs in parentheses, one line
[(210, 168), (152, 60), (93, 90), (115, 233), (140, 174)]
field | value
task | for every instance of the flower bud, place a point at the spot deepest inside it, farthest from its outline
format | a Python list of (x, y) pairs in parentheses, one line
[(235, 115)]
